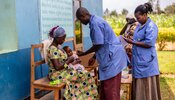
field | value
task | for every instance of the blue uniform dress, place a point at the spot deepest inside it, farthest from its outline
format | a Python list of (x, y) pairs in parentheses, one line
[(144, 60), (111, 56)]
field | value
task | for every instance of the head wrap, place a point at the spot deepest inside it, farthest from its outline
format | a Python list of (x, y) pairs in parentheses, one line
[(130, 16), (57, 32)]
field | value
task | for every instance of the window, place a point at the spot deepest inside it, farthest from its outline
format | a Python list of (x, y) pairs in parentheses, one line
[(8, 32)]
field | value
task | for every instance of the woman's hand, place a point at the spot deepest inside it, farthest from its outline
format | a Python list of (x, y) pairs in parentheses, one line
[(91, 61), (78, 60), (128, 40), (141, 44), (75, 62), (70, 60)]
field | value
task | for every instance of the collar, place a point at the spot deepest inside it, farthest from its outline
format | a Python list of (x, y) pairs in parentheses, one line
[(91, 20), (147, 22)]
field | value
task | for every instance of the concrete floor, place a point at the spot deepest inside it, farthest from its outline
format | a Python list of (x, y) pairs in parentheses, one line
[(49, 96)]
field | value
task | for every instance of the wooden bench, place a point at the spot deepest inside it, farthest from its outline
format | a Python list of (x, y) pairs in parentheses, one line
[(43, 83)]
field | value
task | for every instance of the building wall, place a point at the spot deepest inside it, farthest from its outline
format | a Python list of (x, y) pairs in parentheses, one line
[(8, 33), (95, 8), (27, 18), (15, 66)]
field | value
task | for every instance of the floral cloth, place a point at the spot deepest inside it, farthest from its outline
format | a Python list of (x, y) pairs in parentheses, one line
[(79, 85)]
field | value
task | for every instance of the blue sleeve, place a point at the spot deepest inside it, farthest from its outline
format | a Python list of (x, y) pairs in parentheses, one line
[(151, 35), (97, 35)]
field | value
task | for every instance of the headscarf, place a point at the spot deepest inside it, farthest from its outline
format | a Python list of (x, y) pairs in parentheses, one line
[(130, 16), (57, 32), (54, 33)]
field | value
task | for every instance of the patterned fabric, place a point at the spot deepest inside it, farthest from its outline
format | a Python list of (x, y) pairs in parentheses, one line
[(77, 67), (129, 34), (79, 85), (128, 49), (130, 30)]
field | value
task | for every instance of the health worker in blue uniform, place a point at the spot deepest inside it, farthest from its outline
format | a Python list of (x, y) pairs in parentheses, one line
[(144, 58), (109, 53)]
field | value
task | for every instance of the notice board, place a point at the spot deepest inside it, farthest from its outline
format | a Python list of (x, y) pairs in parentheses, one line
[(56, 13)]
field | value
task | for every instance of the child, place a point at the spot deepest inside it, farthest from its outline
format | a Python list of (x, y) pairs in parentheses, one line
[(128, 47), (130, 32), (76, 64)]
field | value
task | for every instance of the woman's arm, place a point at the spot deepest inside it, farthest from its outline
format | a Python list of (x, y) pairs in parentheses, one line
[(141, 44), (59, 66), (150, 37)]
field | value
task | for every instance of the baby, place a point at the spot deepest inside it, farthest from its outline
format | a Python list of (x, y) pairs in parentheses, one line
[(76, 64), (128, 47), (130, 32)]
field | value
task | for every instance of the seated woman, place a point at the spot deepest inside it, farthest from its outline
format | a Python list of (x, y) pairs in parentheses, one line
[(79, 85)]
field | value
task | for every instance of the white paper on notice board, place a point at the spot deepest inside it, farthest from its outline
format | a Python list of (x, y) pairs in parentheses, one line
[(56, 13)]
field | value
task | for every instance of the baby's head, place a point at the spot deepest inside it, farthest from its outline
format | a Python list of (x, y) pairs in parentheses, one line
[(68, 50)]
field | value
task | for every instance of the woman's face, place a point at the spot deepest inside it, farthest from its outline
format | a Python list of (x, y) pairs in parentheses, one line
[(60, 40), (141, 18)]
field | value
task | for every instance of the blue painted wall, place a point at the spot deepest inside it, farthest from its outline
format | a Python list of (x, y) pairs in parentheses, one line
[(15, 75), (27, 18), (8, 33), (95, 8), (15, 66)]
